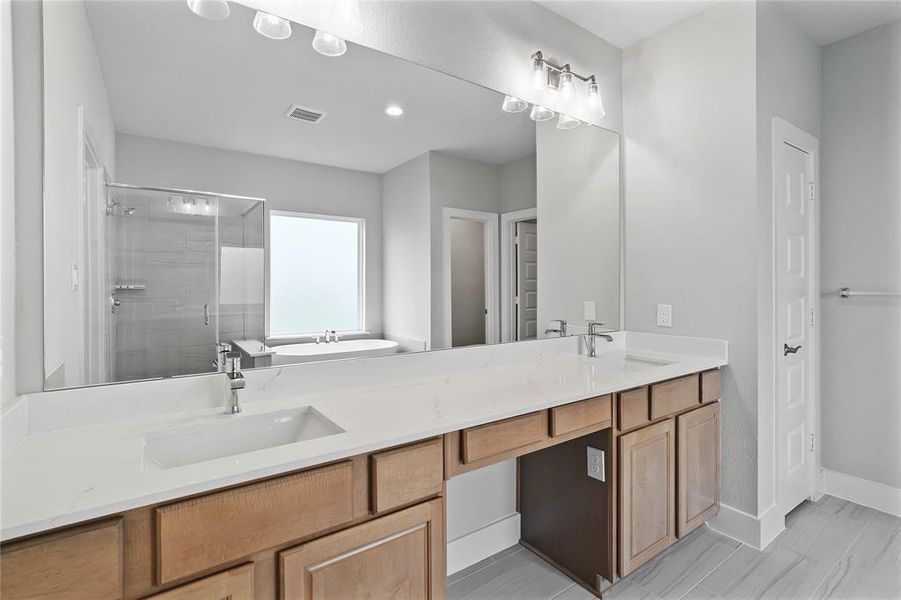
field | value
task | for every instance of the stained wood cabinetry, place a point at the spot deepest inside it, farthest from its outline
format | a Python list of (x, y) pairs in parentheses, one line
[(400, 556), (698, 481)]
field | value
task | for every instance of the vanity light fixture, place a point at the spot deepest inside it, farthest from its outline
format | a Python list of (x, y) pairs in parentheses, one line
[(214, 10), (564, 122), (541, 113), (394, 110), (512, 104), (328, 44), (271, 26), (595, 102)]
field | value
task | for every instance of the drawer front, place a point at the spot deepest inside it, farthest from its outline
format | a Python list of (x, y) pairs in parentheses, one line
[(205, 532), (234, 584), (404, 475), (673, 396), (633, 408), (579, 415), (78, 563), (495, 438), (711, 386)]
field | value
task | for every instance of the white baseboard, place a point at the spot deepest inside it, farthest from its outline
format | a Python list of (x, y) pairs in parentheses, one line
[(737, 524), (863, 491), (482, 543)]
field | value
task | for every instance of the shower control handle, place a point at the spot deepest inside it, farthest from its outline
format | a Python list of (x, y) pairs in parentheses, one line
[(206, 314)]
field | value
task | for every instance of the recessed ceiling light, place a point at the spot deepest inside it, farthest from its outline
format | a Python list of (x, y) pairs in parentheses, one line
[(394, 110)]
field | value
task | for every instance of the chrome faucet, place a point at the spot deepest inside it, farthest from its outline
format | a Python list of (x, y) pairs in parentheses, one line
[(592, 336), (222, 348), (561, 328), (235, 382)]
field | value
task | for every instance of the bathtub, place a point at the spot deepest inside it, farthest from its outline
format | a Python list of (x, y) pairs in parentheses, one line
[(311, 351)]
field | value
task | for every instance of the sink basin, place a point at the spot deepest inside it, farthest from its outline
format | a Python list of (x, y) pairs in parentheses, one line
[(230, 435), (627, 363)]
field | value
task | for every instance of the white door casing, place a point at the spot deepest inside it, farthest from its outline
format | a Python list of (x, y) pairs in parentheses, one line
[(526, 281), (508, 309), (794, 181)]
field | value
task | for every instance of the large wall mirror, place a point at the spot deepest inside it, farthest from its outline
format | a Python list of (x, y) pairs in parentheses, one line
[(207, 186)]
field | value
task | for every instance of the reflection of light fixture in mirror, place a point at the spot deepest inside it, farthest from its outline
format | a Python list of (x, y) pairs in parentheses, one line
[(394, 110), (214, 10), (595, 103), (329, 45), (271, 26), (539, 80), (564, 122), (514, 105), (540, 113)]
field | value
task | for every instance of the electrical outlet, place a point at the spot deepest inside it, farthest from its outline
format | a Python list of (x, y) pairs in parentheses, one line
[(664, 315), (589, 310), (596, 464)]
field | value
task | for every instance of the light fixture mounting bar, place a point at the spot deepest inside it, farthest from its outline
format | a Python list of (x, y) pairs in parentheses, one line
[(539, 57)]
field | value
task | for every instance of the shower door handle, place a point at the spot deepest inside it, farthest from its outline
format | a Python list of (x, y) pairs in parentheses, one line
[(206, 314)]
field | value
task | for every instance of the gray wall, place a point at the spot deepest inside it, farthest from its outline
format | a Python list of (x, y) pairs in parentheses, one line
[(861, 247), (7, 213), (788, 86), (517, 183), (285, 184), (691, 206)]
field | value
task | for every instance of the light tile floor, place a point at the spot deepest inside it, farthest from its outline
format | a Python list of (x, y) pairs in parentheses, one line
[(829, 549)]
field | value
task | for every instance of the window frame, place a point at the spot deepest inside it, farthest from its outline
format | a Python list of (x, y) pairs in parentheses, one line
[(361, 274)]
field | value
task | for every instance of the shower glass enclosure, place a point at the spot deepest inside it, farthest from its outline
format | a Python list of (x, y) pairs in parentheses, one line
[(185, 271)]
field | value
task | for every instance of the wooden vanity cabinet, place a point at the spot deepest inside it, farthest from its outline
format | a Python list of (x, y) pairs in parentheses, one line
[(647, 481), (399, 556), (233, 584), (698, 466)]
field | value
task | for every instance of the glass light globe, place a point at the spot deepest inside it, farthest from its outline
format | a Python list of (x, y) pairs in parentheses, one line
[(214, 10), (328, 44), (564, 122), (513, 104), (271, 26), (540, 113)]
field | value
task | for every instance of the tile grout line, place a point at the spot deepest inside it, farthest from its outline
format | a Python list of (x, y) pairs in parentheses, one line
[(713, 570), (847, 552)]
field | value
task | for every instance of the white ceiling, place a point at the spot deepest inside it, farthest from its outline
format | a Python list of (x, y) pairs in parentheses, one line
[(827, 21), (172, 75), (627, 22)]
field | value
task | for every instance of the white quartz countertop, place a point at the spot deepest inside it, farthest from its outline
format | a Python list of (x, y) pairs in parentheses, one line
[(60, 470)]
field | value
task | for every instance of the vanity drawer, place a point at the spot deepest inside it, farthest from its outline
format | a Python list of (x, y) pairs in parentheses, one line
[(711, 386), (234, 584), (491, 439), (404, 475), (81, 562), (579, 415), (673, 396), (202, 533), (633, 408)]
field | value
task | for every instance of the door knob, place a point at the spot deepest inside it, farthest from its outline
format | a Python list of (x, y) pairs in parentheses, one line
[(786, 350)]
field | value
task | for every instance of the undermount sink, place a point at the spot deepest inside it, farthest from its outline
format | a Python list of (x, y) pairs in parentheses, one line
[(628, 363), (230, 435)]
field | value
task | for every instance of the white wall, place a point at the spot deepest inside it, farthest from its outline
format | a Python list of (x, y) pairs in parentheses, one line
[(578, 224), (517, 183), (406, 254), (285, 184), (7, 213), (691, 206), (486, 42), (861, 248), (72, 79), (788, 86), (459, 183)]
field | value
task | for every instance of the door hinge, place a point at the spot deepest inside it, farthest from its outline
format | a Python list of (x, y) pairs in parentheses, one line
[(812, 317), (813, 442), (516, 240), (811, 191)]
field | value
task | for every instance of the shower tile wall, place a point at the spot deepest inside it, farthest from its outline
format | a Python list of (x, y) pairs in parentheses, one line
[(160, 330)]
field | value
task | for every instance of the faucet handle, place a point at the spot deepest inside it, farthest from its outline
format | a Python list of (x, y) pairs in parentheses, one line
[(233, 359), (592, 327)]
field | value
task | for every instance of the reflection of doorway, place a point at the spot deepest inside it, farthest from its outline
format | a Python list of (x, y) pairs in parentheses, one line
[(470, 277), (519, 275)]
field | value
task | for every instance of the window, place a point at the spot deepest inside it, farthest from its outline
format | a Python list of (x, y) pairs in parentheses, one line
[(315, 274)]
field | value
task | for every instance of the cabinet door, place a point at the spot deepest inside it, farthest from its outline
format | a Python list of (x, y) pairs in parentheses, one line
[(698, 441), (647, 493), (399, 556)]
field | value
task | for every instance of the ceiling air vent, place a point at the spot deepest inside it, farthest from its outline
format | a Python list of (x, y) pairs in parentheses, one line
[(305, 114)]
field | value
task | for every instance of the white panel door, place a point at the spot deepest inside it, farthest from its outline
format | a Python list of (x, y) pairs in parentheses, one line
[(527, 281), (793, 197)]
